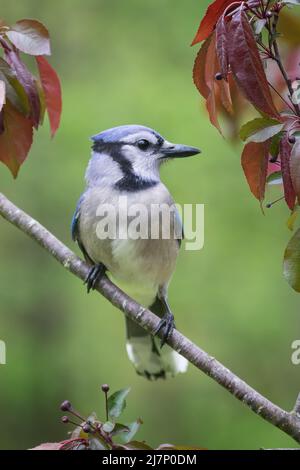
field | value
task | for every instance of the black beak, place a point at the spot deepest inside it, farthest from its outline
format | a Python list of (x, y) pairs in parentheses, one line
[(178, 150)]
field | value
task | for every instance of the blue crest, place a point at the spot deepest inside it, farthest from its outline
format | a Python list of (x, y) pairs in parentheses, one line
[(116, 134)]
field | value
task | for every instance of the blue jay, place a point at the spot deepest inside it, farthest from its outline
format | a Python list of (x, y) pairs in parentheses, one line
[(125, 161)]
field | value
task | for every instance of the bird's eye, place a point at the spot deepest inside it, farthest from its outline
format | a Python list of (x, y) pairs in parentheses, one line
[(143, 144)]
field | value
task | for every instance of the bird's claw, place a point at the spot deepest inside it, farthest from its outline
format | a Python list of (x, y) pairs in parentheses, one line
[(95, 273), (166, 324)]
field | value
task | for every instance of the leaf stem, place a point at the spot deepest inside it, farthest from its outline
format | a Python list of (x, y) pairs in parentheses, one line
[(281, 97)]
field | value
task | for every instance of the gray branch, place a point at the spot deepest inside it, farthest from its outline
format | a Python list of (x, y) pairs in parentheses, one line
[(288, 422)]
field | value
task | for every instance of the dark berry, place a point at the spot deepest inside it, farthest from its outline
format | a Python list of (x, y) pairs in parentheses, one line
[(105, 388), (65, 419), (269, 14), (66, 406), (292, 139), (86, 428), (219, 76)]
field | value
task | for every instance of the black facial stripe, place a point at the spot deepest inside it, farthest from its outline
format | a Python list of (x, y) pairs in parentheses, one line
[(114, 150), (133, 183), (130, 181)]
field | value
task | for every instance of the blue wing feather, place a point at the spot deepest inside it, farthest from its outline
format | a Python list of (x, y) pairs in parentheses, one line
[(75, 231), (75, 220)]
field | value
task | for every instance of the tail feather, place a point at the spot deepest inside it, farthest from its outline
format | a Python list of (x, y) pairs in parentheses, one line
[(145, 353)]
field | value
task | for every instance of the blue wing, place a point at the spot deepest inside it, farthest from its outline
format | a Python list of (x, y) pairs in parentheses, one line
[(75, 220), (75, 231)]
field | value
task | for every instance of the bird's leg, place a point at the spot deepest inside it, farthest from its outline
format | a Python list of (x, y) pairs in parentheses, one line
[(167, 323), (94, 275)]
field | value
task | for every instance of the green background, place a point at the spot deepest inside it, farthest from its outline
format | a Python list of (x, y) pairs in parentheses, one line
[(130, 62)]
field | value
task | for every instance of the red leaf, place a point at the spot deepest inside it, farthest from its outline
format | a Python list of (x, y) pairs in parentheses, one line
[(27, 80), (221, 44), (285, 156), (211, 67), (52, 89), (199, 69), (48, 446), (216, 92), (30, 36), (225, 95), (16, 139), (70, 444), (213, 13), (255, 165), (247, 66), (295, 168)]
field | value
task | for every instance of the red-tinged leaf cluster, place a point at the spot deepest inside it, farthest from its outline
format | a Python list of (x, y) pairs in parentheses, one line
[(24, 97), (231, 64), (240, 65), (230, 56)]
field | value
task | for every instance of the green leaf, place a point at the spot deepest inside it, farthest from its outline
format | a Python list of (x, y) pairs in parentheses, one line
[(291, 264), (259, 25), (30, 36), (291, 2), (132, 430), (117, 403), (275, 178), (172, 447), (108, 426), (274, 147), (15, 91), (119, 429), (135, 445), (260, 130), (96, 444)]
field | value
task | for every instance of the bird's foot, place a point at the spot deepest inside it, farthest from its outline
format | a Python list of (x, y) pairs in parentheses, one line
[(166, 324), (94, 275)]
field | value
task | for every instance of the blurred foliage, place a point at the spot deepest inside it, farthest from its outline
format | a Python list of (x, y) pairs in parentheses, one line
[(130, 62), (93, 434)]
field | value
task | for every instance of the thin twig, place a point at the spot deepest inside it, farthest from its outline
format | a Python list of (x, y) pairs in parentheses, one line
[(277, 57), (281, 97), (286, 421)]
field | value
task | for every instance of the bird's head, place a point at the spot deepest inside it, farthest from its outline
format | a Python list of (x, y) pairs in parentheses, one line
[(138, 150)]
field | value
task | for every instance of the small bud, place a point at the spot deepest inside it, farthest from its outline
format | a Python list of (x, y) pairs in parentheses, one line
[(269, 14), (292, 139), (219, 76), (269, 205), (66, 406), (65, 419), (105, 388), (86, 428)]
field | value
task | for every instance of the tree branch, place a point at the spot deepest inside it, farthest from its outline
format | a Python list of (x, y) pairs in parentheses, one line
[(288, 422)]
